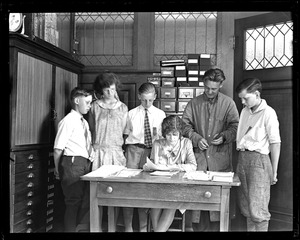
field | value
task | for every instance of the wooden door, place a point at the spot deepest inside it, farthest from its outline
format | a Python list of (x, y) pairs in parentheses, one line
[(33, 100), (267, 33)]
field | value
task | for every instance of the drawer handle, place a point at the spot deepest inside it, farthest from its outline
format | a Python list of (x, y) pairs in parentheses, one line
[(29, 222), (30, 185), (30, 175), (207, 194), (30, 157), (30, 194), (29, 230), (29, 213), (30, 166), (109, 189), (29, 203)]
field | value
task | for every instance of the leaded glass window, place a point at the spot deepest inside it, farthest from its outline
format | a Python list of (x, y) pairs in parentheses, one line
[(105, 38), (180, 33), (269, 46)]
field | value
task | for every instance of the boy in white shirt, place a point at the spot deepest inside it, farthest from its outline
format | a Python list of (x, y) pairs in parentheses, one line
[(138, 146), (73, 154), (257, 137)]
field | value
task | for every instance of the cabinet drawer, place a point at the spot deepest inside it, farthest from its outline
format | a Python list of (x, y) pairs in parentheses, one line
[(27, 166), (28, 194), (168, 92), (23, 215), (28, 204), (168, 105), (29, 185), (167, 82), (26, 156), (28, 176), (182, 104), (24, 226), (185, 92)]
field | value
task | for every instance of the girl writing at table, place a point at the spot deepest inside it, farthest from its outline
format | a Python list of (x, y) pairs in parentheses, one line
[(176, 153)]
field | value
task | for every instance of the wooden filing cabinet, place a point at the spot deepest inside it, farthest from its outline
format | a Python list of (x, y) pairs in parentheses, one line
[(41, 79)]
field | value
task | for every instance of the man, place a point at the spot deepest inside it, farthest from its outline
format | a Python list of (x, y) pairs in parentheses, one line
[(211, 123)]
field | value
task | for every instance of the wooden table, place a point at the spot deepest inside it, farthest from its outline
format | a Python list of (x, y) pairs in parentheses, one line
[(147, 191)]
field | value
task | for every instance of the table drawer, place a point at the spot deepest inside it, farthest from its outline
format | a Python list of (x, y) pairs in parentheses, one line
[(160, 192)]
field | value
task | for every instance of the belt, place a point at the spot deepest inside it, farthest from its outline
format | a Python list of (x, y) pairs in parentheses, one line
[(141, 145)]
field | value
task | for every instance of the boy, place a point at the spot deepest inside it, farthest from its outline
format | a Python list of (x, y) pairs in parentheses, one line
[(138, 143), (257, 137), (73, 154)]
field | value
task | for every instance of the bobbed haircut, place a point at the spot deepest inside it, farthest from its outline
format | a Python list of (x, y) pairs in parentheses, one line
[(105, 80), (214, 74), (147, 87), (170, 124), (250, 85), (78, 92)]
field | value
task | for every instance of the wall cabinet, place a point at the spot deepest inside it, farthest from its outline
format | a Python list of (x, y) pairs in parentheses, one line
[(41, 80)]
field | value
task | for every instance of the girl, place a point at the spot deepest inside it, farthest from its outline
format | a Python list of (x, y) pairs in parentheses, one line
[(107, 119), (176, 152), (257, 136)]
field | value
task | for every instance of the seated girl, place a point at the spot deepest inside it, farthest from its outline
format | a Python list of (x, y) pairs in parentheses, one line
[(176, 152)]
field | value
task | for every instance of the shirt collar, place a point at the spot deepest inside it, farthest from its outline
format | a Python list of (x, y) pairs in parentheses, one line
[(209, 100), (150, 109), (261, 107), (75, 113)]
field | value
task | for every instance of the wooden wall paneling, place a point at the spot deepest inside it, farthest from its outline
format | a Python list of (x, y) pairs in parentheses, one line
[(65, 81), (33, 100)]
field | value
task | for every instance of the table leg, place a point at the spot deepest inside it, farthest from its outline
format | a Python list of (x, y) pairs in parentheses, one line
[(111, 219), (95, 211), (224, 213)]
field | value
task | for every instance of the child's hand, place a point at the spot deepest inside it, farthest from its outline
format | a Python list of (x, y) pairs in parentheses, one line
[(56, 174)]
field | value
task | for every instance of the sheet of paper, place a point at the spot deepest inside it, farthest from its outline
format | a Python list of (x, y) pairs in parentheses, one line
[(105, 171), (163, 173), (153, 166), (128, 172)]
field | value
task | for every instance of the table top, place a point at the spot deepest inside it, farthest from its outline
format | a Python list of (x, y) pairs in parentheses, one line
[(146, 177)]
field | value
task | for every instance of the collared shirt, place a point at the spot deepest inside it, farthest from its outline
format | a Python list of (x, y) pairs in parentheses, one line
[(182, 154), (135, 124), (258, 129), (70, 135), (205, 118)]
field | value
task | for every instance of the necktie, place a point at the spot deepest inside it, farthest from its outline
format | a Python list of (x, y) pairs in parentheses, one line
[(86, 135), (148, 138)]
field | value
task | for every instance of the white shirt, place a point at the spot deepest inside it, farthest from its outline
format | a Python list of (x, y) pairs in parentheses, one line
[(70, 135), (135, 124), (258, 129)]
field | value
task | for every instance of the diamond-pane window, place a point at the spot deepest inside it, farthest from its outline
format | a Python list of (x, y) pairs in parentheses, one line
[(269, 46), (105, 38), (180, 33)]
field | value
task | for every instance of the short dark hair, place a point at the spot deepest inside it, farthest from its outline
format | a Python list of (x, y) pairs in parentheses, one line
[(105, 80), (214, 74), (250, 85), (78, 92), (147, 87), (170, 124)]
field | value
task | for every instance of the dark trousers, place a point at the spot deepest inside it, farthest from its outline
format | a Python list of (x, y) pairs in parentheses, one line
[(76, 191)]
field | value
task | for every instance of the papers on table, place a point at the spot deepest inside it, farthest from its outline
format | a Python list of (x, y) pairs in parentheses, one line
[(153, 166), (210, 176), (113, 171), (163, 173)]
